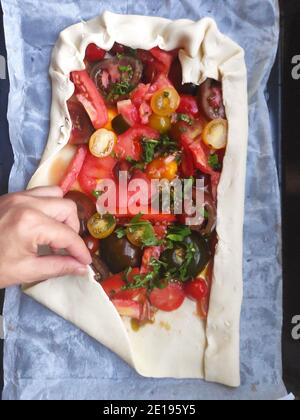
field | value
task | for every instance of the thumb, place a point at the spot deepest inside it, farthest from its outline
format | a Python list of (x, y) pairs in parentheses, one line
[(57, 266)]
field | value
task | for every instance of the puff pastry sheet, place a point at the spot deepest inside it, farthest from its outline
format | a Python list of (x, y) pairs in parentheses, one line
[(179, 344)]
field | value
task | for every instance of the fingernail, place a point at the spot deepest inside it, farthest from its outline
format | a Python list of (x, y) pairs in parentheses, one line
[(81, 271)]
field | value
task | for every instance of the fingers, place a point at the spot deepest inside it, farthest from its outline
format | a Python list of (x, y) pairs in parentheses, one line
[(45, 192), (56, 266), (64, 211), (59, 236)]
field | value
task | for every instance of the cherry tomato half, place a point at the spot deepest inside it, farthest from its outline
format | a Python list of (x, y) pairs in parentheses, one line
[(159, 123), (215, 134), (168, 299), (94, 53), (196, 289), (92, 244), (100, 227), (162, 168), (102, 143), (165, 102)]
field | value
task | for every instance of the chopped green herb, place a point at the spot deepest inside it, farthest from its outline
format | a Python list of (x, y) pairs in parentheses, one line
[(149, 280), (149, 146), (166, 94), (186, 118), (213, 161), (97, 194), (144, 230), (125, 69), (126, 274), (121, 233), (178, 233), (189, 256), (121, 88)]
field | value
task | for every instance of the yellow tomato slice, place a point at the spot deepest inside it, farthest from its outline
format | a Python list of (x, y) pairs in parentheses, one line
[(102, 143), (215, 134), (165, 102)]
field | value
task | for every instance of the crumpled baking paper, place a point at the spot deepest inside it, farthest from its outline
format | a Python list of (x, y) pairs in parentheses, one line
[(48, 358)]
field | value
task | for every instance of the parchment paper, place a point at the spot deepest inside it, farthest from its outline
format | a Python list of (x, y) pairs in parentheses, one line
[(46, 357)]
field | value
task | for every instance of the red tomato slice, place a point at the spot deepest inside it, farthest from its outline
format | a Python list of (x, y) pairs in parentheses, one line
[(200, 153), (128, 308), (196, 289), (74, 169), (160, 83), (188, 105), (91, 99), (187, 163), (93, 170), (113, 285), (164, 57), (160, 230), (82, 128), (168, 299), (149, 253), (129, 143), (129, 112), (138, 95), (94, 53)]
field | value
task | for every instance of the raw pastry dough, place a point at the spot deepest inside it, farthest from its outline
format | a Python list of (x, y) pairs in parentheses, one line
[(179, 344)]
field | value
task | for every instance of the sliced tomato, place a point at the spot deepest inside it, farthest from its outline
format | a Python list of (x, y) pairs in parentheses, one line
[(94, 53), (215, 180), (91, 99), (199, 151), (149, 253), (129, 112), (74, 169), (187, 163), (203, 304), (160, 83), (129, 143), (93, 170), (168, 299), (113, 284), (160, 230), (82, 128), (196, 289), (145, 112), (139, 94), (164, 57), (188, 105), (128, 308), (113, 287), (117, 49), (152, 67)]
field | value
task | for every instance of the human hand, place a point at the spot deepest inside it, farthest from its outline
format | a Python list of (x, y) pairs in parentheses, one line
[(39, 217)]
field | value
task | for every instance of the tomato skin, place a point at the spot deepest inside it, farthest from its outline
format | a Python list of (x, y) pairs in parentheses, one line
[(129, 143), (188, 105), (74, 169), (164, 57), (91, 99), (168, 299), (113, 285), (149, 253), (196, 289), (187, 164), (82, 128), (162, 168), (94, 53), (129, 112), (160, 230), (200, 153), (92, 244), (95, 169), (129, 308)]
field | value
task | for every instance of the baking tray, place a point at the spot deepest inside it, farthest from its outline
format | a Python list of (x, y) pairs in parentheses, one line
[(283, 95)]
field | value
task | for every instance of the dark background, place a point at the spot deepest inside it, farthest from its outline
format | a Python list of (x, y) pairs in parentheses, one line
[(284, 98)]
